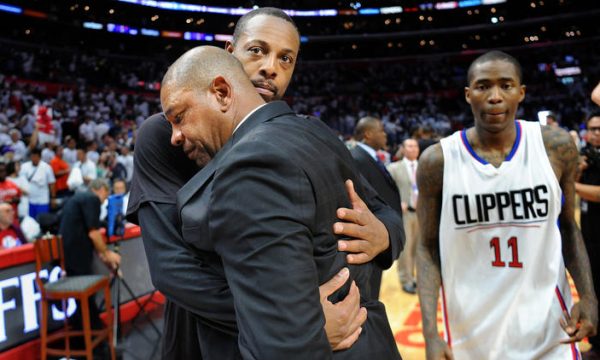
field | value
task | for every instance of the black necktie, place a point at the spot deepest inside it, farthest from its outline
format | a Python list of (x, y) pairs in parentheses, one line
[(383, 169)]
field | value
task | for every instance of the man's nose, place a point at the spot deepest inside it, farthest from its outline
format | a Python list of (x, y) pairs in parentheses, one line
[(268, 67), (495, 96), (176, 137)]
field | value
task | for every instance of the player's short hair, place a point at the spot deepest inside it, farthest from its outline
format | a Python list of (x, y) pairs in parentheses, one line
[(495, 55)]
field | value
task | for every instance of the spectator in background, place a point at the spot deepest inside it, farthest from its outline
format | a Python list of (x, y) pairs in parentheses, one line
[(100, 130), (70, 152), (12, 169), (87, 167), (551, 120), (45, 127), (48, 152), (92, 152), (4, 137), (87, 130), (61, 171), (119, 187), (103, 166), (80, 230), (40, 178), (27, 123), (17, 145), (126, 159), (425, 137), (404, 173), (9, 192), (116, 170), (10, 233)]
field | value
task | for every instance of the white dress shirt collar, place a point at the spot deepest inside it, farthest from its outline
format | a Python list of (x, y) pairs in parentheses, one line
[(368, 149), (247, 116)]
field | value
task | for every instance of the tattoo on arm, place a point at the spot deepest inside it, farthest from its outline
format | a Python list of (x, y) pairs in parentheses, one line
[(564, 159), (430, 181)]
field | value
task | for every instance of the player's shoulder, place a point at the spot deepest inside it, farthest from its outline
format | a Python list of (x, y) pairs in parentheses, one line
[(558, 142), (430, 173), (552, 134), (432, 157)]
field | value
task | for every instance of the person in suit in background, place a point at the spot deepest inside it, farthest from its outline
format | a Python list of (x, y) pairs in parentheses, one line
[(404, 173), (370, 137), (265, 206)]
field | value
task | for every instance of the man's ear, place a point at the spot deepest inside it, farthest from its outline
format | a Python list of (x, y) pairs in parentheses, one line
[(522, 89), (367, 134), (229, 46), (468, 94), (222, 92)]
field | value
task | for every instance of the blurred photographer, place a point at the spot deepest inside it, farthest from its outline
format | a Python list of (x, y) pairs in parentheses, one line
[(588, 188)]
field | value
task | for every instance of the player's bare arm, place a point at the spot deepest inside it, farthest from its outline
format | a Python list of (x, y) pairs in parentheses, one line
[(564, 159), (430, 176)]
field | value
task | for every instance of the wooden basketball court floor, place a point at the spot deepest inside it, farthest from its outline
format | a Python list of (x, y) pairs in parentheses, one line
[(405, 316)]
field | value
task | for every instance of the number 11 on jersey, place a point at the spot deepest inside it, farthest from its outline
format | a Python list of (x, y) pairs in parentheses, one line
[(512, 244)]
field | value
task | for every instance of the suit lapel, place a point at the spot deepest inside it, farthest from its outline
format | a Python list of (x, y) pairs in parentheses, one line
[(196, 182), (263, 114), (374, 165)]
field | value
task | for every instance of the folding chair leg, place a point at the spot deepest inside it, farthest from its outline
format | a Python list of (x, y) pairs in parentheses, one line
[(44, 329), (87, 328), (63, 303), (109, 321)]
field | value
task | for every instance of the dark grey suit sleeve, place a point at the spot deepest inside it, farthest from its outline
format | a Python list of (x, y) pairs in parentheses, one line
[(179, 275), (392, 221), (260, 215)]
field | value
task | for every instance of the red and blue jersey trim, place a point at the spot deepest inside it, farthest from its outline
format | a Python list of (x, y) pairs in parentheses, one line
[(563, 306), (513, 151), (446, 320)]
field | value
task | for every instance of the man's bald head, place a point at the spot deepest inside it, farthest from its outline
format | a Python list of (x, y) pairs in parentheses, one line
[(196, 68), (204, 95)]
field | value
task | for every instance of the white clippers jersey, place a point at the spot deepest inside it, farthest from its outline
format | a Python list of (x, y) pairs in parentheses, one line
[(504, 282)]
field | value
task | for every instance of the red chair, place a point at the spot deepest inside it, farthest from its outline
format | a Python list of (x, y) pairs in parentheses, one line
[(49, 249)]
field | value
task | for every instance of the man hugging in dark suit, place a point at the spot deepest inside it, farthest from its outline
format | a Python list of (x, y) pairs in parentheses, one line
[(261, 213)]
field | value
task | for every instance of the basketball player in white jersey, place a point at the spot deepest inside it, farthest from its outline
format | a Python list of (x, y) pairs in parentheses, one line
[(496, 208)]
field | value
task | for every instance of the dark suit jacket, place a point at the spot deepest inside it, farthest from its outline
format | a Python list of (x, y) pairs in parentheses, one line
[(261, 214), (386, 188)]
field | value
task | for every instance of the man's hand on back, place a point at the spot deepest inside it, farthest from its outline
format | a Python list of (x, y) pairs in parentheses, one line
[(343, 320), (368, 235)]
